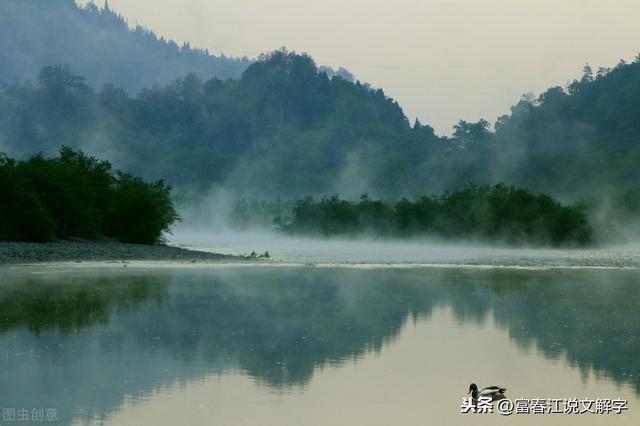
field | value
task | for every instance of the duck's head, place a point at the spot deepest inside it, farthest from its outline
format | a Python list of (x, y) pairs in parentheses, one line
[(472, 388)]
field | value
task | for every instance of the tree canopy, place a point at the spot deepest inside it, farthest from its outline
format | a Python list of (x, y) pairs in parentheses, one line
[(497, 214), (286, 128), (75, 195)]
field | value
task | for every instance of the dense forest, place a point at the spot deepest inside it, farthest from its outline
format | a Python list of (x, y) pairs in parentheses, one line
[(284, 127), (499, 214), (74, 195), (584, 136), (98, 44)]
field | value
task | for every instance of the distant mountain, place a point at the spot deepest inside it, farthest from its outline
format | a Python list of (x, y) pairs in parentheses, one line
[(99, 45)]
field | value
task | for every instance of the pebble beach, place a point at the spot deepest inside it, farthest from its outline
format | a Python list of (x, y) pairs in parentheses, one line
[(12, 253)]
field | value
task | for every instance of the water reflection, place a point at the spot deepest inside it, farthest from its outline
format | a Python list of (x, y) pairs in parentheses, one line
[(87, 343), (70, 303)]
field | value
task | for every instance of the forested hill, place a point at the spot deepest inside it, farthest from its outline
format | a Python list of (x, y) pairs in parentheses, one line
[(286, 128), (583, 138), (98, 45)]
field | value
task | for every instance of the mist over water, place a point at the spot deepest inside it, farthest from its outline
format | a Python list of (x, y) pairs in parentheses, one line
[(391, 252), (387, 263)]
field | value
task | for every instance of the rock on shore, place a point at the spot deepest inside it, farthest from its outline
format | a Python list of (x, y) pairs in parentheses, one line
[(25, 253)]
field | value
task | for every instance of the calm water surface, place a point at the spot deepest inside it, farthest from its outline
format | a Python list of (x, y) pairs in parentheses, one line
[(266, 345)]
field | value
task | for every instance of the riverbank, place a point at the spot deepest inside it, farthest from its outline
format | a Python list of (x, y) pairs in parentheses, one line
[(12, 253)]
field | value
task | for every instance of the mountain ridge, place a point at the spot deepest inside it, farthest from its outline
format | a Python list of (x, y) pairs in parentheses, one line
[(98, 44)]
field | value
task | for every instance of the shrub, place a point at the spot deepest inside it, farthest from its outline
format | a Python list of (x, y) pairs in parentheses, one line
[(75, 195), (491, 213)]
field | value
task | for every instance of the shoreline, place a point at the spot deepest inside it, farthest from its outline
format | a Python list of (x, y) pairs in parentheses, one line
[(96, 253), (19, 253)]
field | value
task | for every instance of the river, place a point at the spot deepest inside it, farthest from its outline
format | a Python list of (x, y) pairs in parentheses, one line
[(329, 334)]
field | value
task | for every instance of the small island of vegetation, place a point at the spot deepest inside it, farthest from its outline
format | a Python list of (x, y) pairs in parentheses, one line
[(497, 213), (78, 196)]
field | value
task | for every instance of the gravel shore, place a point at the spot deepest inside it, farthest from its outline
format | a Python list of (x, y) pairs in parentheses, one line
[(27, 253)]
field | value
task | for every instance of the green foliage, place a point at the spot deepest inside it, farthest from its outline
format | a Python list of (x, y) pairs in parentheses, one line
[(74, 195), (574, 140), (486, 213), (140, 212), (22, 215), (285, 128), (280, 129)]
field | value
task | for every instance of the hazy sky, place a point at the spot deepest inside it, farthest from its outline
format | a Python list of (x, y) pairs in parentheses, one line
[(443, 60)]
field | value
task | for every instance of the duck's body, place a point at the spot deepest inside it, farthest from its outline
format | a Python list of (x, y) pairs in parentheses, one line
[(493, 392)]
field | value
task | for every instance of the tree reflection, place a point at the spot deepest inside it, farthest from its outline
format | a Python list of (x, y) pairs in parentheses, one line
[(111, 335), (73, 302)]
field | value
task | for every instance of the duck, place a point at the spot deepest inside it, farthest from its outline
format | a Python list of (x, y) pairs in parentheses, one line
[(493, 392)]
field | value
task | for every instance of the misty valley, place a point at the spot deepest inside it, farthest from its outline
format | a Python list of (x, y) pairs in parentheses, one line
[(193, 238)]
